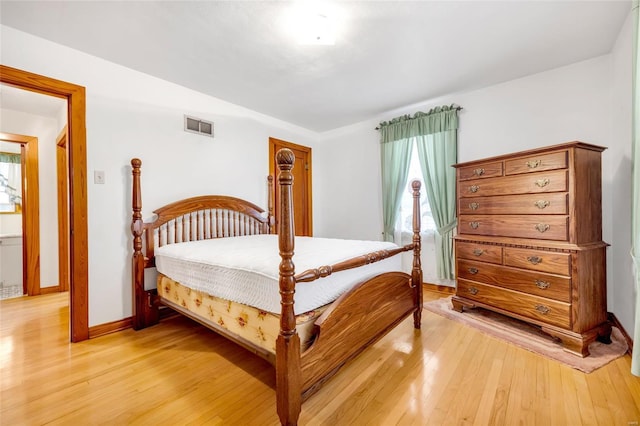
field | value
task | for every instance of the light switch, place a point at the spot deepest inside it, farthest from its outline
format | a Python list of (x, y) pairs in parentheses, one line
[(98, 177)]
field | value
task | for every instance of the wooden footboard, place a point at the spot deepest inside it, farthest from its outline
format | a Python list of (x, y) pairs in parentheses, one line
[(358, 319)]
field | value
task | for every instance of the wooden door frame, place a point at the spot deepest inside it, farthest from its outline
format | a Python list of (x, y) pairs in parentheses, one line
[(62, 181), (30, 211), (77, 146), (272, 172)]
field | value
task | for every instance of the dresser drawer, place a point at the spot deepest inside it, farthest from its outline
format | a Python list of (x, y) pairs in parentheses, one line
[(482, 252), (535, 183), (536, 163), (537, 227), (553, 203), (538, 260), (484, 170), (538, 308), (532, 282)]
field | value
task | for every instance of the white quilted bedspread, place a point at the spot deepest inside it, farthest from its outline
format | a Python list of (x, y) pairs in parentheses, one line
[(245, 269)]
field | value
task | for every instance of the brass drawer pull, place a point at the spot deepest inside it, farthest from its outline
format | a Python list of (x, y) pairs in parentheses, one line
[(474, 188), (478, 172), (533, 164), (541, 183), (542, 227), (542, 285), (534, 259), (474, 206), (474, 225), (541, 204), (544, 310), (473, 290), (473, 271), (478, 252)]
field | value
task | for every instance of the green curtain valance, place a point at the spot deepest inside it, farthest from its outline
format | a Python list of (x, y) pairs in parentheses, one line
[(7, 157), (438, 119)]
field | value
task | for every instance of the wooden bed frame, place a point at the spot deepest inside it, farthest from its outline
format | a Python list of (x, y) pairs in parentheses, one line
[(353, 322)]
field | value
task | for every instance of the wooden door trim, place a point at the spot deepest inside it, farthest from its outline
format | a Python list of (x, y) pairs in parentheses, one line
[(77, 143), (30, 211), (63, 212), (272, 171)]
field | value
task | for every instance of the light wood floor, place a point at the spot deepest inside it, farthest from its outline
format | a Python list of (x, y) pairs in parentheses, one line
[(180, 373)]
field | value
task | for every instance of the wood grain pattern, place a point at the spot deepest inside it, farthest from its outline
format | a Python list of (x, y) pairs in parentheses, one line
[(545, 310), (483, 171), (552, 203), (532, 183), (357, 319), (475, 251), (538, 260), (560, 258), (62, 181), (448, 371), (553, 227), (536, 163), (541, 284)]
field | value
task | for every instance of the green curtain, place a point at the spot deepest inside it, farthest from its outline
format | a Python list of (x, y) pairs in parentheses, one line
[(395, 169), (435, 133), (7, 157), (635, 182), (438, 151)]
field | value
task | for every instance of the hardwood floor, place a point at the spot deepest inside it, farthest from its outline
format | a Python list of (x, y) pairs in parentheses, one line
[(181, 373)]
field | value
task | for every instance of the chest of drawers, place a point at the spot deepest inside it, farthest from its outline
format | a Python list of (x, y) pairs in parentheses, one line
[(529, 241)]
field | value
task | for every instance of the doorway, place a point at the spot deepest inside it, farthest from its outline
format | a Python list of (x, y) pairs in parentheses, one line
[(77, 172), (30, 222), (302, 206)]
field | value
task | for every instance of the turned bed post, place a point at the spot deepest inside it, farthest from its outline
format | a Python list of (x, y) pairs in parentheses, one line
[(271, 224), (144, 314), (416, 271), (288, 371), (137, 264)]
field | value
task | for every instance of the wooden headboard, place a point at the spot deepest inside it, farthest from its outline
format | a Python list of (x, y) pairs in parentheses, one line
[(191, 219)]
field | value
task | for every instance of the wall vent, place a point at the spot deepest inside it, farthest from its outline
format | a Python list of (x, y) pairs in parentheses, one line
[(197, 125)]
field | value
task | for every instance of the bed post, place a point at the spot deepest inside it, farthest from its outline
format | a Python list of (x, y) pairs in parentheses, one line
[(272, 222), (142, 316), (288, 371), (416, 272), (137, 265)]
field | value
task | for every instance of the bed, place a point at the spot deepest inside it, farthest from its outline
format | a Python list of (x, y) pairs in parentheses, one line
[(307, 340)]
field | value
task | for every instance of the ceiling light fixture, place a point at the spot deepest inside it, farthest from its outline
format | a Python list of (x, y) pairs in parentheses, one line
[(313, 22)]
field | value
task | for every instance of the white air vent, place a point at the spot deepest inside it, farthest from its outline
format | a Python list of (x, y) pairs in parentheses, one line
[(196, 125)]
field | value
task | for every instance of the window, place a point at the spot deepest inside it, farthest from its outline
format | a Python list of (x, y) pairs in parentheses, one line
[(405, 216), (10, 185)]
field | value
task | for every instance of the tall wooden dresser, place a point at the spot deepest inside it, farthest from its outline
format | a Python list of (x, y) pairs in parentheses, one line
[(529, 242)]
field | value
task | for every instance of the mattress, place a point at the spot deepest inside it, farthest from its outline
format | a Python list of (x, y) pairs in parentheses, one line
[(245, 269)]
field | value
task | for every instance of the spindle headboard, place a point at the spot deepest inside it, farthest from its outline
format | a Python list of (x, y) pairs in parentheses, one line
[(202, 218), (197, 218)]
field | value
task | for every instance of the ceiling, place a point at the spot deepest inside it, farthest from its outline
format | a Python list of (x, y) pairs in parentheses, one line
[(387, 54)]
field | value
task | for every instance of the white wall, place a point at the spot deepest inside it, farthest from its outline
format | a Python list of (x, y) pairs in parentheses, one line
[(45, 129), (577, 102), (130, 114), (621, 289)]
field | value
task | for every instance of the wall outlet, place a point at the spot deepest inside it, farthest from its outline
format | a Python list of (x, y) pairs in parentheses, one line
[(98, 177)]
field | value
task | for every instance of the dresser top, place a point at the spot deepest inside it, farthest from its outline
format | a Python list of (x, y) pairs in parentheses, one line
[(573, 144)]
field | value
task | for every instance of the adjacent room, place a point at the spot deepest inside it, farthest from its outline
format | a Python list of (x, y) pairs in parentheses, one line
[(319, 212)]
